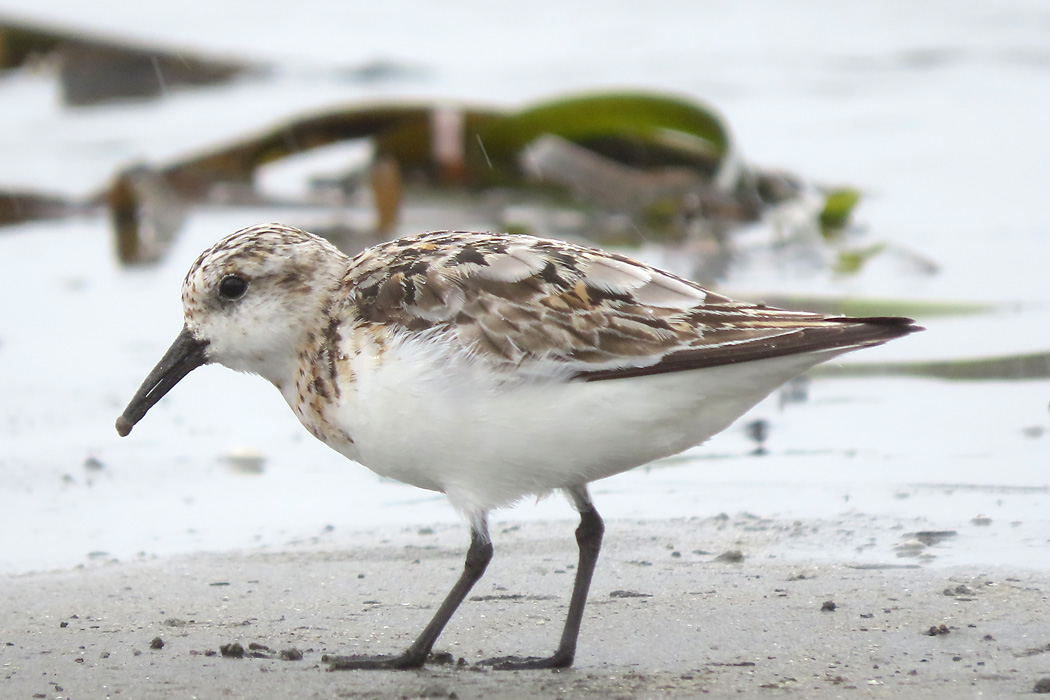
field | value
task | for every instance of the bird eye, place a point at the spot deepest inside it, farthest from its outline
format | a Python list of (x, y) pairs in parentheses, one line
[(232, 287)]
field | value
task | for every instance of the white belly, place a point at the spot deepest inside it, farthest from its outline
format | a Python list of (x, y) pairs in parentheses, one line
[(447, 424)]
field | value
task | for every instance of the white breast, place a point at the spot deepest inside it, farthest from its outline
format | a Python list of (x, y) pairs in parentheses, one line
[(441, 421)]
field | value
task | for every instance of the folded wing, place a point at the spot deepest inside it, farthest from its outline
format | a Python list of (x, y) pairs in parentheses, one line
[(520, 301)]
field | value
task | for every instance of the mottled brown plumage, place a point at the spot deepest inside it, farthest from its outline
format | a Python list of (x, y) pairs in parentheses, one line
[(517, 299)]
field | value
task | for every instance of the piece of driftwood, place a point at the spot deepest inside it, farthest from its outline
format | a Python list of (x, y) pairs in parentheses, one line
[(18, 206), (94, 69), (146, 214), (635, 166), (596, 178)]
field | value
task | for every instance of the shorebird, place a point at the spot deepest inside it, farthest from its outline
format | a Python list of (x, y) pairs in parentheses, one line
[(490, 367)]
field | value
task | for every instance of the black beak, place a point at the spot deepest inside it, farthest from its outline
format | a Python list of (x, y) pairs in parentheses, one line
[(185, 355)]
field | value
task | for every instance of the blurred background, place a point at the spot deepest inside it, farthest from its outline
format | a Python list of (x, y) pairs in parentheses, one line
[(886, 158)]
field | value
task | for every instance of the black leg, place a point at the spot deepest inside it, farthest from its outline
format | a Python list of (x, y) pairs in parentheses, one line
[(478, 557), (589, 538)]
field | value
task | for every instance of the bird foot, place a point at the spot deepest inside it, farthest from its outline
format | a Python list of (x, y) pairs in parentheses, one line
[(527, 663), (360, 662)]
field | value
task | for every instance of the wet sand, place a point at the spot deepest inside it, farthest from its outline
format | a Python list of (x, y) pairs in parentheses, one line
[(668, 617)]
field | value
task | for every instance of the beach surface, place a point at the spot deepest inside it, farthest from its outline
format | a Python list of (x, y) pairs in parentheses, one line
[(673, 612), (912, 503)]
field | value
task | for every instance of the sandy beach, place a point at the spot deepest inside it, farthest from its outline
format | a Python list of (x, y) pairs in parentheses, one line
[(252, 533), (669, 616)]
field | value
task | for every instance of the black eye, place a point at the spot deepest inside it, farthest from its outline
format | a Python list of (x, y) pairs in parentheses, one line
[(232, 287)]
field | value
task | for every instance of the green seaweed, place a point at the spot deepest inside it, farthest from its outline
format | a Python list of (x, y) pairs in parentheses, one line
[(1004, 368), (851, 261), (637, 128), (852, 306), (838, 210)]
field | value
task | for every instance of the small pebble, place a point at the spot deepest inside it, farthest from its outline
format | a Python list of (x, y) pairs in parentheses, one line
[(1042, 686), (245, 460), (232, 651), (828, 606), (629, 594), (932, 537), (440, 658), (156, 643), (910, 548)]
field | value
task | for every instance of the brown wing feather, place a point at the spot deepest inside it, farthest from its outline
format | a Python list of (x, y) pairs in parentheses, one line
[(517, 299), (825, 334)]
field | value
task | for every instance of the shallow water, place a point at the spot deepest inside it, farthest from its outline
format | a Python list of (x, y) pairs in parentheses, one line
[(939, 119)]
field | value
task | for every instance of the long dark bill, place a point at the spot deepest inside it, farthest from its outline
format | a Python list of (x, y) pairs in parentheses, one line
[(185, 355)]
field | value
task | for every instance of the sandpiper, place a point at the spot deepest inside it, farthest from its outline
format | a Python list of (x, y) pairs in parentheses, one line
[(490, 367)]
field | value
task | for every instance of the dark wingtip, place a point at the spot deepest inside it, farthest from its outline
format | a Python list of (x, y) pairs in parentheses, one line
[(124, 426), (897, 325)]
